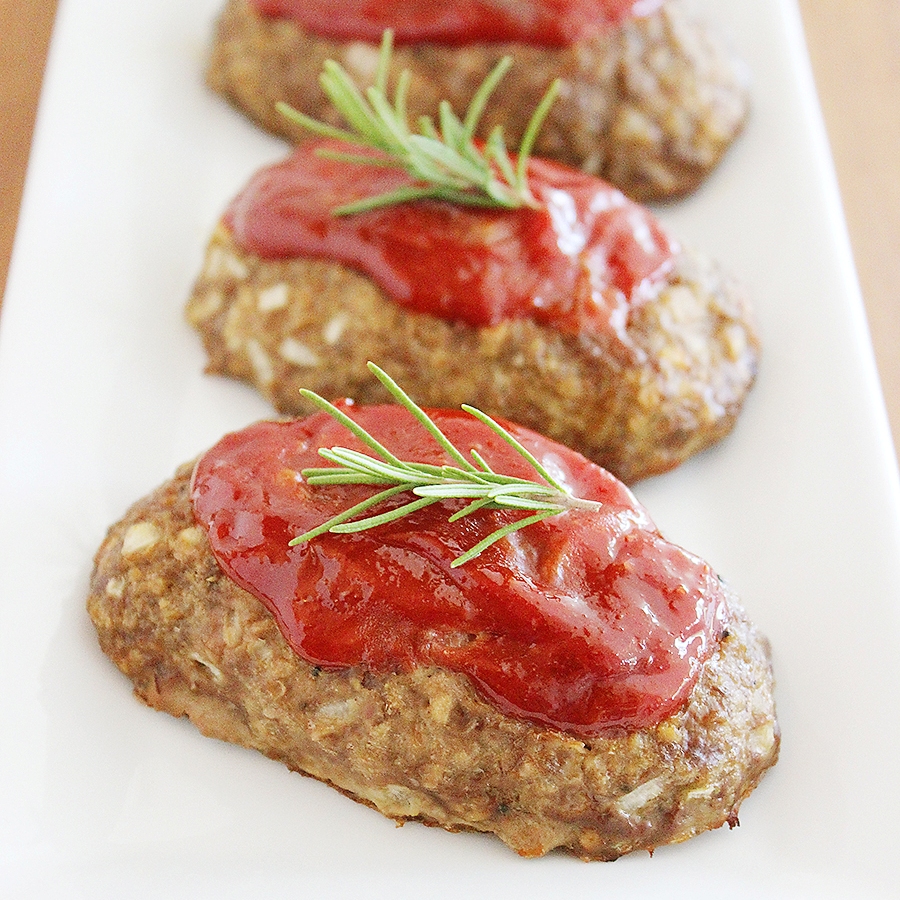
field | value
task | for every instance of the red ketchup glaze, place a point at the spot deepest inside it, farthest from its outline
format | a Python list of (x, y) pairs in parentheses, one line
[(583, 622), (545, 23), (580, 262)]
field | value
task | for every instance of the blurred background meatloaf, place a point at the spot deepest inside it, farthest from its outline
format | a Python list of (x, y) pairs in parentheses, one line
[(650, 105)]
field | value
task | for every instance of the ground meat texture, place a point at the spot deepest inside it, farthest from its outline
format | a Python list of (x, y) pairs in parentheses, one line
[(423, 745), (637, 404), (650, 106)]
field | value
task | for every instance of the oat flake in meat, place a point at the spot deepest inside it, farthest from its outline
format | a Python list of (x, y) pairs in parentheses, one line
[(419, 741), (650, 104)]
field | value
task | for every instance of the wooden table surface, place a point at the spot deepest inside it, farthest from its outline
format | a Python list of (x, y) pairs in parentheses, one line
[(856, 61)]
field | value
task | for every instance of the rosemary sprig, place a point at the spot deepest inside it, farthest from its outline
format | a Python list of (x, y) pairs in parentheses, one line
[(446, 163), (474, 481)]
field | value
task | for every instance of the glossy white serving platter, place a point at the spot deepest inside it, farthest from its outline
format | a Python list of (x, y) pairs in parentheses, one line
[(102, 394)]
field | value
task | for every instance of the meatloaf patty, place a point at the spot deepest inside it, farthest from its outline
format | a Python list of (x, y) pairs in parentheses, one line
[(650, 106), (638, 401), (422, 745)]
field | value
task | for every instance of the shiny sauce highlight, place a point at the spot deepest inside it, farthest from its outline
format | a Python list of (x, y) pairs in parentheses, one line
[(583, 622), (577, 263), (544, 23)]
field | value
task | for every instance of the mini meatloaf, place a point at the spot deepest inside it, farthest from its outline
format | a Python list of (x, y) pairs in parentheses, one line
[(422, 745), (650, 106), (638, 402)]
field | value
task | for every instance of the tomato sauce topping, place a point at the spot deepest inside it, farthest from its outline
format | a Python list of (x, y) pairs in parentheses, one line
[(582, 622), (545, 23), (577, 263)]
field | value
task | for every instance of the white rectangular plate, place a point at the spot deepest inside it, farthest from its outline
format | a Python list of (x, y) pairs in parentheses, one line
[(102, 394)]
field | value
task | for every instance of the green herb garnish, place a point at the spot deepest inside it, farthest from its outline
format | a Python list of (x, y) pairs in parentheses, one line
[(474, 481), (446, 163)]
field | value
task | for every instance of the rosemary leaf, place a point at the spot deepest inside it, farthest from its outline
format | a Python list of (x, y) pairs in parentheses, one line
[(501, 490), (392, 198), (421, 416), (384, 518), (350, 425), (452, 130), (479, 101), (396, 130), (472, 507), (534, 126), (480, 460), (323, 129), (495, 150), (400, 96), (335, 521), (498, 535), (524, 503), (426, 128), (516, 445), (342, 477), (451, 491), (384, 61), (366, 465), (362, 159)]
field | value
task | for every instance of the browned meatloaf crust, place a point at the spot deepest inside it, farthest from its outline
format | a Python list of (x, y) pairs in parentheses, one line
[(638, 406), (650, 106), (422, 745)]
